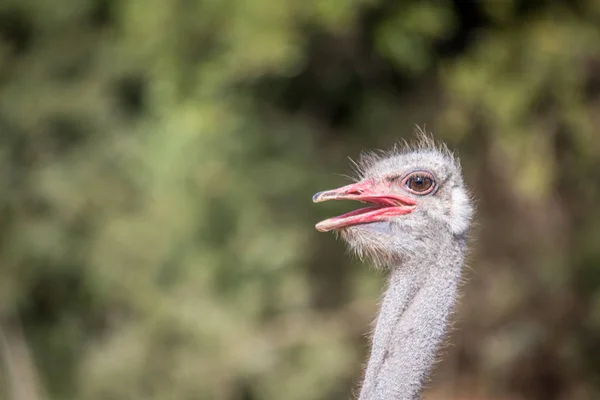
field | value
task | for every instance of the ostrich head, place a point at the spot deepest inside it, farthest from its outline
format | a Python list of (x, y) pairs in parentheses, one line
[(416, 195)]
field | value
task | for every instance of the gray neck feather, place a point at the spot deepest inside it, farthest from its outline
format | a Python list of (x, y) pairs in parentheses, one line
[(413, 321)]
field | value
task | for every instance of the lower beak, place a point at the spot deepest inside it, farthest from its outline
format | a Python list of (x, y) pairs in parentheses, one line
[(384, 205)]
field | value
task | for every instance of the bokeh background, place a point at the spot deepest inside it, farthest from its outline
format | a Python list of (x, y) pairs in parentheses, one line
[(157, 162)]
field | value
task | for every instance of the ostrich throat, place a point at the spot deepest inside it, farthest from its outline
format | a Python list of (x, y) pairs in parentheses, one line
[(413, 320)]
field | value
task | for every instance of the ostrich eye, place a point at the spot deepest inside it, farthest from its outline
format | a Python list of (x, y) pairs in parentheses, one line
[(420, 182)]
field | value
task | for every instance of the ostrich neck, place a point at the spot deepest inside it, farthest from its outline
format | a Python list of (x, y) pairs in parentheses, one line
[(412, 322)]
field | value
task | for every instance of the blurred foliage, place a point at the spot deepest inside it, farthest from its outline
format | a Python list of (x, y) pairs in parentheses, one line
[(158, 159)]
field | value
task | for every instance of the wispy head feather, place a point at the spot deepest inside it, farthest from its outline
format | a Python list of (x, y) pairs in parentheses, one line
[(423, 142)]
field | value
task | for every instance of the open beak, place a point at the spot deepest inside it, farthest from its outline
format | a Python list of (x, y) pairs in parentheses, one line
[(384, 205)]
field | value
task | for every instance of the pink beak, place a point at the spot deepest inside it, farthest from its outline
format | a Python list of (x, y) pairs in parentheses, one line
[(385, 205)]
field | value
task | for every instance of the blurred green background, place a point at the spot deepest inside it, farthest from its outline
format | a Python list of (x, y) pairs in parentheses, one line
[(157, 162)]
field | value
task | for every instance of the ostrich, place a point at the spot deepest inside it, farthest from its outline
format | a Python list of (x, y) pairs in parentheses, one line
[(416, 226)]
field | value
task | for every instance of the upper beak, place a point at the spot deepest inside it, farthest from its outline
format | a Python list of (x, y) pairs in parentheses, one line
[(385, 205), (345, 192)]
